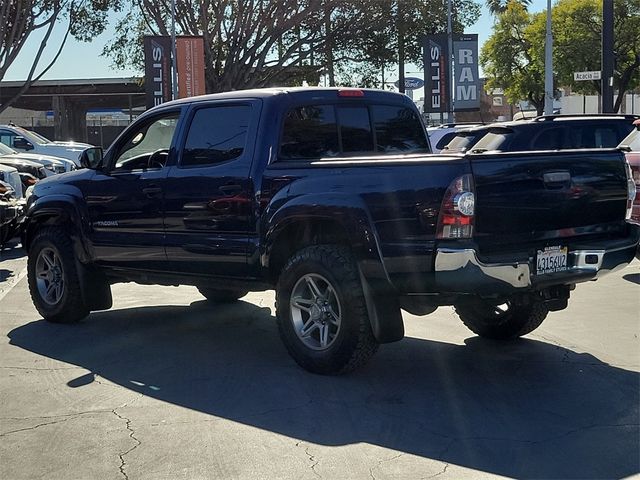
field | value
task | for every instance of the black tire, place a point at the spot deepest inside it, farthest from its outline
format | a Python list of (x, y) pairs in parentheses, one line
[(221, 296), (501, 322), (70, 307), (353, 344)]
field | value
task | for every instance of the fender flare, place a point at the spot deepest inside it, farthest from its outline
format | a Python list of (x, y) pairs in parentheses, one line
[(352, 215), (60, 209)]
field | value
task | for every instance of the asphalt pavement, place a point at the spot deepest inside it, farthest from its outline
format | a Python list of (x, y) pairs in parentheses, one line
[(165, 386)]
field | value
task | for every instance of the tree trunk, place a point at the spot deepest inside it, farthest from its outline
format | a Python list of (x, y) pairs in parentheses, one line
[(400, 27)]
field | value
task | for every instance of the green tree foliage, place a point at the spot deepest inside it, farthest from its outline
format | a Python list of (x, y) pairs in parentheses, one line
[(577, 33), (513, 57), (264, 42), (509, 58), (497, 7), (20, 19)]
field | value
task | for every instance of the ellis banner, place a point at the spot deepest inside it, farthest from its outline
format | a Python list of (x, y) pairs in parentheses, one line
[(190, 61), (157, 69), (436, 74)]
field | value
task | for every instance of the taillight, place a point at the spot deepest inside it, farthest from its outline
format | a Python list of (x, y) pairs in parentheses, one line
[(631, 190), (457, 210)]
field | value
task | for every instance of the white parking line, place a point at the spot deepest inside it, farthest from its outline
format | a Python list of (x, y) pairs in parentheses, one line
[(12, 282)]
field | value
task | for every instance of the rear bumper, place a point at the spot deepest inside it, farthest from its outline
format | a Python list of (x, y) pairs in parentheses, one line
[(460, 270)]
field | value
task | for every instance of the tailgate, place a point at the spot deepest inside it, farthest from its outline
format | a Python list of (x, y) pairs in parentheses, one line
[(529, 199)]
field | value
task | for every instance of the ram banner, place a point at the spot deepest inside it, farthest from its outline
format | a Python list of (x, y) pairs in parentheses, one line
[(467, 84)]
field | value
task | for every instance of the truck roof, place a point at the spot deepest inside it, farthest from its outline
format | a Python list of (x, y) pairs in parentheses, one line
[(318, 93)]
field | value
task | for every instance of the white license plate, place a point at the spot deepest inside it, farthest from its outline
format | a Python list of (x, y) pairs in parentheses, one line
[(551, 260)]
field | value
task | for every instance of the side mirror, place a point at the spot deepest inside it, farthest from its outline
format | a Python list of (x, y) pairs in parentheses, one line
[(22, 143), (91, 158)]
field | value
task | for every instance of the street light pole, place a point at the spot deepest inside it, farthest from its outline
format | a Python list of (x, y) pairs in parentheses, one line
[(548, 65), (174, 78), (450, 60)]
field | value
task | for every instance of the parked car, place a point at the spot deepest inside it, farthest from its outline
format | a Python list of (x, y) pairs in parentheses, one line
[(555, 132), (631, 146), (26, 166), (295, 189), (442, 134), (52, 164), (24, 140), (12, 204)]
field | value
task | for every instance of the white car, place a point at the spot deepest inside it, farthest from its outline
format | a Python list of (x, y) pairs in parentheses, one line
[(53, 165), (24, 140)]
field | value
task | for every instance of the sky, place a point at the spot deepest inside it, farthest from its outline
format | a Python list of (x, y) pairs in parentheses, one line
[(82, 60)]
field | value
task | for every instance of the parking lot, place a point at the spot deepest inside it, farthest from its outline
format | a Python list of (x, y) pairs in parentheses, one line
[(164, 386)]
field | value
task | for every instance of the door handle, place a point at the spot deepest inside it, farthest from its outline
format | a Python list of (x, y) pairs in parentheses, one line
[(230, 189), (151, 191)]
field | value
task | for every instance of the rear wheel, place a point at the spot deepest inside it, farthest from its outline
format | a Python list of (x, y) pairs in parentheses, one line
[(54, 284), (214, 295), (321, 311), (502, 321)]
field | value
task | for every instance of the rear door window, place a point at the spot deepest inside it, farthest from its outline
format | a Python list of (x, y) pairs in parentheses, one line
[(216, 134), (549, 139)]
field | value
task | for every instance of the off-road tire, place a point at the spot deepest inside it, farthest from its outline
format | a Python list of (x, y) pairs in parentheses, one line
[(354, 343), (221, 296), (71, 307), (517, 319)]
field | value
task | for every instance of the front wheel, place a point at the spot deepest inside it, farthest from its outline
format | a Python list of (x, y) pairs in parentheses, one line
[(321, 311), (502, 321), (54, 284)]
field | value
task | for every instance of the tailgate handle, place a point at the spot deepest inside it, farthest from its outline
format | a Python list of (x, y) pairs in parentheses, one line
[(556, 177)]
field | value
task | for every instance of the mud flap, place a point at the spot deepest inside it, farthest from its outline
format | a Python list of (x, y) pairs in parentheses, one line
[(384, 312), (96, 291)]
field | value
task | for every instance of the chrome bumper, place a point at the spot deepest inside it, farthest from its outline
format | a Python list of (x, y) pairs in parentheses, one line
[(459, 270)]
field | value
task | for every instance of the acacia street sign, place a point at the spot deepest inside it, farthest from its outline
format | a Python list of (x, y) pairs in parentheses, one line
[(581, 76)]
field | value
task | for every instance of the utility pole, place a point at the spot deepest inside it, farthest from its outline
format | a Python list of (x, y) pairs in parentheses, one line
[(607, 56), (400, 27), (548, 65)]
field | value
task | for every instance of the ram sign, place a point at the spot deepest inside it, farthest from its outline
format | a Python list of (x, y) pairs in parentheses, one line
[(467, 85)]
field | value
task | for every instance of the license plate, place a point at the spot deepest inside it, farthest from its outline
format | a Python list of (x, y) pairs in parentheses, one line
[(551, 260)]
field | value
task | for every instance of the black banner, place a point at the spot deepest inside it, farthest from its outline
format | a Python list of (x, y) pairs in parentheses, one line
[(436, 74), (157, 69)]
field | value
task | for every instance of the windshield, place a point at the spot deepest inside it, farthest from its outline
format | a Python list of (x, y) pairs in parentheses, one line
[(30, 134), (4, 150)]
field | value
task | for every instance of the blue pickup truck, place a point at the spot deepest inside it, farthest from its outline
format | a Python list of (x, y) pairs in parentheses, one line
[(330, 196)]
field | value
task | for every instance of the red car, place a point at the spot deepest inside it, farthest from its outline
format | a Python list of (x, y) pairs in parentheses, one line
[(631, 146)]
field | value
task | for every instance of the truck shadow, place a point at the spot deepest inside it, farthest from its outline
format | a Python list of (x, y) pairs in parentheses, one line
[(528, 409)]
